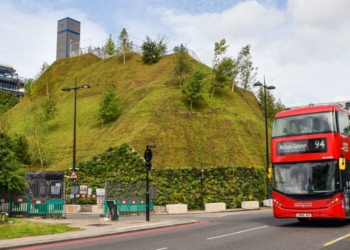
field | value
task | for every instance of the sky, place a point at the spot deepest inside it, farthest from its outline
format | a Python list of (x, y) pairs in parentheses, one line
[(302, 47)]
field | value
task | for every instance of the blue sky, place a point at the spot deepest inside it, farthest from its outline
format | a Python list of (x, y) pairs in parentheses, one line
[(301, 47)]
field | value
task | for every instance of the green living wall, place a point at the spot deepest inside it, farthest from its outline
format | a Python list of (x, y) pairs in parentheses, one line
[(231, 185)]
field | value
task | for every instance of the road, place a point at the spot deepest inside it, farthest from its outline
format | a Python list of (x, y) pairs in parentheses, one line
[(248, 230)]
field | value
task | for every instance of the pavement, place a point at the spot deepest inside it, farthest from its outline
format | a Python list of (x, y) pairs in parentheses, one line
[(96, 228)]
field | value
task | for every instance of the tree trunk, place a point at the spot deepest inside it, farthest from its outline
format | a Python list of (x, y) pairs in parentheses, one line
[(38, 145), (212, 93)]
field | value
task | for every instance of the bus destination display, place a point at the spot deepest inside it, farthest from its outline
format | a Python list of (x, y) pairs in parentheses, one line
[(302, 146)]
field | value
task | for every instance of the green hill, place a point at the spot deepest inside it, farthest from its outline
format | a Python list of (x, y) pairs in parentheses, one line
[(227, 129)]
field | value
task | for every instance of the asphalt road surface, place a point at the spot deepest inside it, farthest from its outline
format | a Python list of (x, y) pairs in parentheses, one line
[(248, 230)]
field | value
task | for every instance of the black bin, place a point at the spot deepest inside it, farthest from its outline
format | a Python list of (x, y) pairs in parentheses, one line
[(112, 206)]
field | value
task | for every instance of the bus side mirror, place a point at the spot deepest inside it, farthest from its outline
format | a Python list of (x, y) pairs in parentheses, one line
[(342, 163), (269, 173)]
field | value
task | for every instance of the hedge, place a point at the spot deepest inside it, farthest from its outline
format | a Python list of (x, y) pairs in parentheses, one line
[(229, 184)]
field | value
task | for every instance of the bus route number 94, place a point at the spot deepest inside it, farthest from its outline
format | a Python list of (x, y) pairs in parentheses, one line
[(319, 143)]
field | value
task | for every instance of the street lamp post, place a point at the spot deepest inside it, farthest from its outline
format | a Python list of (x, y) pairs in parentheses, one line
[(84, 86), (259, 84)]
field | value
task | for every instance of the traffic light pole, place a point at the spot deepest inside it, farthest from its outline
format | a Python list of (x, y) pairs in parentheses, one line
[(148, 165), (202, 188), (147, 198)]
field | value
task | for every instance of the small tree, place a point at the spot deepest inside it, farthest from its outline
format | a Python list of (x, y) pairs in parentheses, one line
[(246, 71), (150, 51), (153, 50), (49, 108), (230, 70), (4, 122), (218, 71), (37, 127), (181, 66), (193, 86), (110, 46), (7, 101), (272, 107), (124, 43), (109, 107), (279, 106), (43, 68), (21, 148), (162, 45), (11, 171), (28, 88)]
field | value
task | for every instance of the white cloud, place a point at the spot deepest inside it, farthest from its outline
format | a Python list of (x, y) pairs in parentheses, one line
[(301, 48), (31, 35)]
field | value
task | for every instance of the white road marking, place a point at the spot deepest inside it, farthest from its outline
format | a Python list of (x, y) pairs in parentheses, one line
[(162, 248), (236, 233)]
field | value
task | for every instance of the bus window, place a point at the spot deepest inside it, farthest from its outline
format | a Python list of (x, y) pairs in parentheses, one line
[(303, 124), (343, 123), (307, 177)]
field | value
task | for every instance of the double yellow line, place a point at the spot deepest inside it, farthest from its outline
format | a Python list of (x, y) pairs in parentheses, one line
[(334, 241)]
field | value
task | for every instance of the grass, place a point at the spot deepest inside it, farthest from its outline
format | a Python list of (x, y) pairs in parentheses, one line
[(227, 129), (24, 228)]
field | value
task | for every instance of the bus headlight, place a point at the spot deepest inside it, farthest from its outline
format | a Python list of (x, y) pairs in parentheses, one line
[(277, 202)]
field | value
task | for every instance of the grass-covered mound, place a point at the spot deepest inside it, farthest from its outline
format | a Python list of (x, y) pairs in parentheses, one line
[(227, 129)]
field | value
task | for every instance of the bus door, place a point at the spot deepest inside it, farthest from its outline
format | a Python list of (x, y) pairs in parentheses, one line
[(346, 188), (347, 200)]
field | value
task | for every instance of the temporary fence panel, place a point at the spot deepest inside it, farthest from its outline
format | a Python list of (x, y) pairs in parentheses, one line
[(123, 206), (39, 189), (54, 208), (44, 189), (5, 205), (19, 207), (37, 208), (126, 207)]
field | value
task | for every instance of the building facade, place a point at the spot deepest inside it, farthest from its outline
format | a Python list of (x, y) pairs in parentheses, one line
[(9, 80)]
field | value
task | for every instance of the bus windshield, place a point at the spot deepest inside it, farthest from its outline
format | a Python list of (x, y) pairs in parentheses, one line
[(303, 124), (307, 177)]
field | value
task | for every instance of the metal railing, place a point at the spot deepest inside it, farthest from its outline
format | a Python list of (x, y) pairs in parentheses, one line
[(100, 52)]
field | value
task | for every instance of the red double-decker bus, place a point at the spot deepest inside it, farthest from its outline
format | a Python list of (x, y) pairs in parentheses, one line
[(311, 162)]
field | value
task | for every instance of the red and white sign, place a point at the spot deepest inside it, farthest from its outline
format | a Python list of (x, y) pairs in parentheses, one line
[(73, 175)]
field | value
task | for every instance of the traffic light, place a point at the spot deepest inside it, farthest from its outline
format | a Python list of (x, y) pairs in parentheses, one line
[(148, 157)]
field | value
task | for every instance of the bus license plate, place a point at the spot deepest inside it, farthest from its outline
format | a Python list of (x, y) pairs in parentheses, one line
[(304, 215)]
